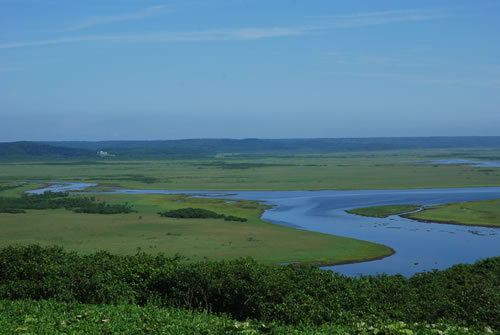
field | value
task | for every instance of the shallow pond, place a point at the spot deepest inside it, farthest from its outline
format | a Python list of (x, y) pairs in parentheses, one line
[(419, 246), (463, 162)]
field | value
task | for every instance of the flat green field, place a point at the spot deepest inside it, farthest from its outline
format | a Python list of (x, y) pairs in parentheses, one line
[(372, 170), (474, 213), (383, 211), (195, 239)]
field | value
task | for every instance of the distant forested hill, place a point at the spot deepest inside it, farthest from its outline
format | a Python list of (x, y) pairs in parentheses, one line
[(195, 148), (319, 145), (21, 150), (89, 150)]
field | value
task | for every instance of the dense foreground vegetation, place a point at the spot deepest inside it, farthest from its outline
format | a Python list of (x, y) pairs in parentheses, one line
[(383, 211), (52, 317), (464, 295), (475, 213)]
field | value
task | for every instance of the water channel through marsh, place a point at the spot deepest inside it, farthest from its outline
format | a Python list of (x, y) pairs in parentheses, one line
[(419, 246)]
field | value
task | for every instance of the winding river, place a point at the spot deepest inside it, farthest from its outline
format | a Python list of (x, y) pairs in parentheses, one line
[(419, 246)]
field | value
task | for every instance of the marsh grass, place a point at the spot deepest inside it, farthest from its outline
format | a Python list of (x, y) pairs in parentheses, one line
[(369, 170)]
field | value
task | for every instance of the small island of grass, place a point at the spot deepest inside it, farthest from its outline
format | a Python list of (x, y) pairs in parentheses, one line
[(383, 211), (474, 213)]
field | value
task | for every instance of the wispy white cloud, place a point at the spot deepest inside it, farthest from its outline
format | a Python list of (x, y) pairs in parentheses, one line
[(138, 15), (9, 69), (366, 74), (333, 53), (349, 58), (206, 35), (231, 34), (56, 41), (461, 82), (383, 13), (439, 81), (382, 17), (423, 79), (249, 33)]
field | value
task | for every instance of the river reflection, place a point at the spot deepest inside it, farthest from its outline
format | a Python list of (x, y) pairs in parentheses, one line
[(419, 246)]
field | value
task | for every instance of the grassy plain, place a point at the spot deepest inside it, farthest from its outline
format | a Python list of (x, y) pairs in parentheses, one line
[(383, 211), (195, 239), (370, 170), (474, 213), (219, 239)]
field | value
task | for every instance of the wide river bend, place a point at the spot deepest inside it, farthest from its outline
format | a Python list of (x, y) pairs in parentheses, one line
[(419, 246)]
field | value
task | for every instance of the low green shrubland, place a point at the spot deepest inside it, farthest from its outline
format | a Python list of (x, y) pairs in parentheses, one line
[(53, 200), (463, 295), (199, 213)]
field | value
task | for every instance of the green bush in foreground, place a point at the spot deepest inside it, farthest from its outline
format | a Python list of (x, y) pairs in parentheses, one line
[(464, 295), (51, 317)]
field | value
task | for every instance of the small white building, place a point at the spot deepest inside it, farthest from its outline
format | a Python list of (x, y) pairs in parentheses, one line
[(102, 153)]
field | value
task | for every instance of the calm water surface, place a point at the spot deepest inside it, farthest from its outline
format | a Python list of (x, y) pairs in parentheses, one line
[(419, 246), (463, 162)]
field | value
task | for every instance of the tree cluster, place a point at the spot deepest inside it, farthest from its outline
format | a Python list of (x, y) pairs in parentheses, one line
[(199, 213)]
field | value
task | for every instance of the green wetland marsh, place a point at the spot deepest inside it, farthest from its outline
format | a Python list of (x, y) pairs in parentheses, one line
[(188, 272), (398, 169)]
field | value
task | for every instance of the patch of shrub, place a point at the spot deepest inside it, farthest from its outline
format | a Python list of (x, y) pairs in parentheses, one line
[(53, 200), (199, 213)]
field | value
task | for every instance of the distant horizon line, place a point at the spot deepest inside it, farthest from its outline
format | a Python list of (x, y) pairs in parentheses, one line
[(257, 138)]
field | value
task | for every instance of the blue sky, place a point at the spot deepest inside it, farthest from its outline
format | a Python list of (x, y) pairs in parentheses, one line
[(153, 69)]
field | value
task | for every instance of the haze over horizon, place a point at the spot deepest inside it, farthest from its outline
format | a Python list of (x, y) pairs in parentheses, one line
[(157, 69)]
